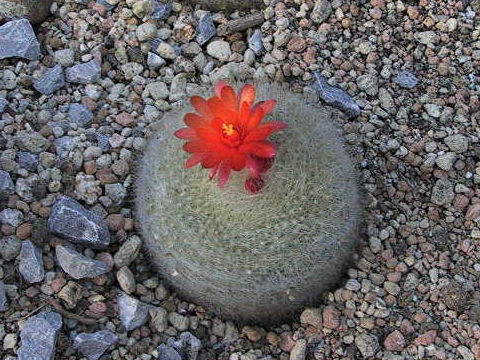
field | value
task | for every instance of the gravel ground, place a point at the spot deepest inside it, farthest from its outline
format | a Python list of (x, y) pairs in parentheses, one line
[(77, 129)]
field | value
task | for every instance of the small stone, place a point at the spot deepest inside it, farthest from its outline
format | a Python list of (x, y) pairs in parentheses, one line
[(428, 38), (166, 352), (11, 217), (443, 192), (473, 213), (391, 288), (335, 96), (394, 341), (157, 90), (161, 10), (189, 346), (3, 297), (178, 321), (205, 29), (39, 336), (143, 8), (65, 57), (3, 105), (312, 316), (433, 110), (159, 319), (17, 39), (155, 61), (457, 143), (321, 11), (70, 220), (116, 192), (6, 185), (128, 252), (85, 73), (166, 51), (368, 83), (465, 352), (178, 87), (31, 262), (34, 10), (26, 160), (10, 247), (386, 101), (10, 341), (406, 79), (331, 317), (126, 280), (255, 42), (146, 32), (31, 141), (51, 81), (71, 293), (353, 285), (426, 338), (93, 345), (446, 161), (80, 114), (133, 313), (78, 266), (297, 44), (219, 49), (367, 344), (299, 350)]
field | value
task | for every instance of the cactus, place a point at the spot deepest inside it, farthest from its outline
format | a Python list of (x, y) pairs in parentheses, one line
[(228, 5), (254, 258)]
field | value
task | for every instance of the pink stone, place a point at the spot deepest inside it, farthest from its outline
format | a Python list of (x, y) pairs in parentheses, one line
[(331, 317), (473, 212), (124, 119), (394, 341), (426, 338)]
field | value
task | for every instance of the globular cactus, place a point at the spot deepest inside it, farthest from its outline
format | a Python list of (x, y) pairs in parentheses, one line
[(255, 258)]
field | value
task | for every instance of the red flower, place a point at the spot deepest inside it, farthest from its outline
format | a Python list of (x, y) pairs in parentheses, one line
[(227, 133)]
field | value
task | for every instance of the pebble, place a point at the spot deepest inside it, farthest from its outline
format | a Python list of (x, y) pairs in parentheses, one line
[(166, 51), (394, 341), (366, 344), (335, 96), (299, 351), (161, 10), (6, 185), (159, 319), (17, 39), (146, 32), (10, 247), (85, 73), (70, 220), (52, 80), (157, 90), (219, 49), (442, 192), (446, 161), (457, 143), (133, 313), (78, 266), (312, 316), (39, 336), (331, 317), (179, 322), (406, 79), (155, 61), (3, 105), (11, 217), (166, 352), (94, 345), (427, 37), (321, 11), (205, 29), (80, 114), (31, 141), (65, 57), (26, 160), (3, 298), (126, 280), (368, 83), (31, 262)]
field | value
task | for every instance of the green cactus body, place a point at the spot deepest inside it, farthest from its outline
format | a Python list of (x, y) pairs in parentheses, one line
[(255, 258)]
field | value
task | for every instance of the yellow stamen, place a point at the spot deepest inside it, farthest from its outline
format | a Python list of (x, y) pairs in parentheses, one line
[(227, 129)]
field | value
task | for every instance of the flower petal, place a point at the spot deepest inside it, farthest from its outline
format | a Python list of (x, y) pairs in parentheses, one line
[(214, 171), (201, 105), (267, 106), (224, 173), (229, 98), (218, 88), (194, 120), (264, 149), (247, 95), (264, 131), (255, 118), (194, 160), (238, 161), (186, 134), (253, 166)]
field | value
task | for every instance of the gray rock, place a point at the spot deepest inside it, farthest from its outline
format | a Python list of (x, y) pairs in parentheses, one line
[(219, 49), (205, 29), (368, 83), (445, 161), (367, 344), (255, 42), (51, 81), (65, 57), (10, 247), (155, 61), (31, 262), (34, 10), (106, 4), (65, 144), (126, 280), (187, 346), (335, 96), (164, 49), (3, 297), (39, 337), (321, 11), (428, 38), (93, 345), (442, 192), (17, 39), (386, 101), (159, 318), (6, 185), (70, 220), (3, 105), (31, 141), (457, 143), (26, 160), (78, 266), (80, 114), (157, 90), (116, 192), (85, 73), (161, 10), (166, 352), (299, 350), (406, 79), (146, 32), (178, 88), (12, 217), (127, 252), (133, 313)]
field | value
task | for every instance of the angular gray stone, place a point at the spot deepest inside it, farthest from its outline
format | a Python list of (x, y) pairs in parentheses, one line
[(34, 10), (80, 114), (166, 352), (6, 185), (443, 192), (187, 346), (367, 344), (70, 220), (133, 313), (10, 247), (321, 11), (78, 266), (39, 337), (406, 79), (3, 297), (31, 262), (205, 29), (161, 10), (3, 105), (31, 141), (26, 160), (457, 143), (335, 96), (93, 345), (17, 39), (368, 83), (155, 61), (255, 42), (12, 217), (51, 80), (85, 73)]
